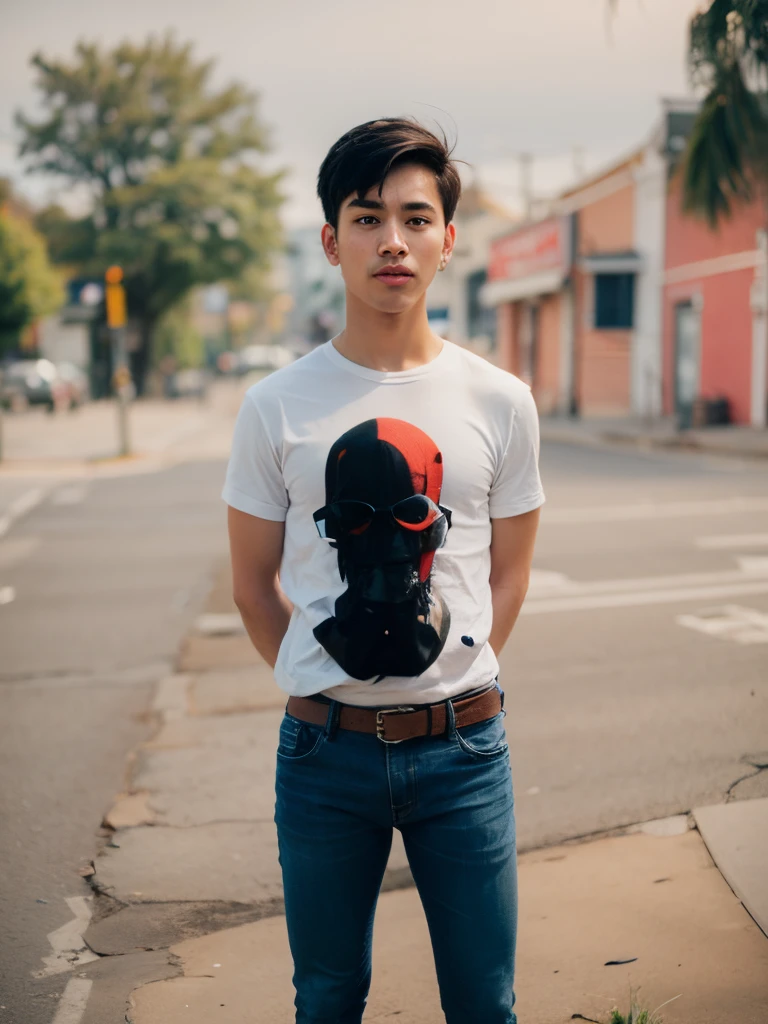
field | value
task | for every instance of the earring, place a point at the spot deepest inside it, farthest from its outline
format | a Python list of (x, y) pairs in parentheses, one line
[(443, 263)]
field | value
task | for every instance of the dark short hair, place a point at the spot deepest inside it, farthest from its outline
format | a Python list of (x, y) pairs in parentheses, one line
[(364, 156)]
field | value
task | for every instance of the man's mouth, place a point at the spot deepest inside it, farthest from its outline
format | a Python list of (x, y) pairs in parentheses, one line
[(394, 275)]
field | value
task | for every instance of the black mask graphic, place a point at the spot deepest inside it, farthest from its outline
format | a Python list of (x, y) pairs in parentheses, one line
[(382, 487)]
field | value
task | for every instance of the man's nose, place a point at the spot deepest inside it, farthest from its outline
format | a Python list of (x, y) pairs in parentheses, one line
[(392, 242)]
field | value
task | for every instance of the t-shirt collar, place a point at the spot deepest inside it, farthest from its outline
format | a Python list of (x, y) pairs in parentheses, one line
[(387, 376)]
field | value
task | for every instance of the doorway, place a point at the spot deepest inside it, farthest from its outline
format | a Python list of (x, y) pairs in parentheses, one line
[(687, 360)]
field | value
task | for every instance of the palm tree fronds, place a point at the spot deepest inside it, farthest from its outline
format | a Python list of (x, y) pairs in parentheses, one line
[(724, 146)]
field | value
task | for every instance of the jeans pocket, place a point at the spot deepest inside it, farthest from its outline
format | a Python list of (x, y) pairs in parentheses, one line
[(298, 740), (484, 741)]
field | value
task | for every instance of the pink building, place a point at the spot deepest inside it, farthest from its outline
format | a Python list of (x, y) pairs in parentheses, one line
[(714, 316)]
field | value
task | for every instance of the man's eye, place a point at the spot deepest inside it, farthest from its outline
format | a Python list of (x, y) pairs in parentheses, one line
[(366, 220), (419, 221)]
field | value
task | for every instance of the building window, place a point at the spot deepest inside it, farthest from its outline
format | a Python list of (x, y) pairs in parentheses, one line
[(614, 301)]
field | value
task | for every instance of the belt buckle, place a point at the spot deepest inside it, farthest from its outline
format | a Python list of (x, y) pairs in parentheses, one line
[(380, 722)]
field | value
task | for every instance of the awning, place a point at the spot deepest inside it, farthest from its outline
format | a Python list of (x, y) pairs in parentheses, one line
[(612, 263), (544, 283)]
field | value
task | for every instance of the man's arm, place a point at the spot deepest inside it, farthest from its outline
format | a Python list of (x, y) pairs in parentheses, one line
[(256, 548), (512, 542)]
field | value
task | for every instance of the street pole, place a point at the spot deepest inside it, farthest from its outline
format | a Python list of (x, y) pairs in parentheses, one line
[(121, 382), (121, 373), (526, 182)]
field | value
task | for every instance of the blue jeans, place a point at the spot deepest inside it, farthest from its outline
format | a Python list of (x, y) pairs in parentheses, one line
[(339, 795)]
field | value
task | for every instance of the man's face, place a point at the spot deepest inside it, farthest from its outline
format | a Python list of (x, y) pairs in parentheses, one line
[(389, 246)]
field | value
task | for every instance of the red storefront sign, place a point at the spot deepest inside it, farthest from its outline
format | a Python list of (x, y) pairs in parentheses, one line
[(531, 250)]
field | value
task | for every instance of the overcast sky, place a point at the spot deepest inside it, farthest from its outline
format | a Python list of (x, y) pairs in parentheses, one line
[(539, 76)]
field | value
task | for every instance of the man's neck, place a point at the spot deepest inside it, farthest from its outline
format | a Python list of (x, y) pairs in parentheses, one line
[(387, 342)]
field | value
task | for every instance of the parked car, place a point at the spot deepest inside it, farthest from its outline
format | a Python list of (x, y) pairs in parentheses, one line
[(264, 357), (32, 382), (188, 384)]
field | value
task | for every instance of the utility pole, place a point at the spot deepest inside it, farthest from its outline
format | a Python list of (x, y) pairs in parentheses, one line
[(577, 158), (526, 182), (121, 374)]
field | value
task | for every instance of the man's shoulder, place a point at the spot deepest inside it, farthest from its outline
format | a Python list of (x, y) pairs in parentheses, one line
[(290, 381), (489, 379)]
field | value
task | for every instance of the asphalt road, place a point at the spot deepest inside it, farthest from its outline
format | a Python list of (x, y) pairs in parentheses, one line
[(636, 680), (637, 677), (105, 577)]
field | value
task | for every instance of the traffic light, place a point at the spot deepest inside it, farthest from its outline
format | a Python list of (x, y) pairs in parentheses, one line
[(115, 297)]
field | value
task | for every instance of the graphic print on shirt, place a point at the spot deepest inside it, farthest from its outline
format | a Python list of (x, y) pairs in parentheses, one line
[(383, 480)]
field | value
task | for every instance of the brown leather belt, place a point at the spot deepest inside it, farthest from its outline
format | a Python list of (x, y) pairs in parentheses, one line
[(393, 725)]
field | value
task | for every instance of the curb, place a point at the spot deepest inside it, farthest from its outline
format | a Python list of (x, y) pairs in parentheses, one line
[(645, 442)]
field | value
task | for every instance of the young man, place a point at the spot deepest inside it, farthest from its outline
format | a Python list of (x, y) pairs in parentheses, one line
[(384, 496)]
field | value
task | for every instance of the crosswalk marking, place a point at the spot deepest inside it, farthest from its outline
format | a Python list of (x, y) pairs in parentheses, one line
[(635, 599), (729, 622), (738, 541), (652, 511), (18, 508)]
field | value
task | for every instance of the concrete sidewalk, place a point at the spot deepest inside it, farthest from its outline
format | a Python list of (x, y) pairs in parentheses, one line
[(190, 871), (656, 900), (86, 440), (745, 442)]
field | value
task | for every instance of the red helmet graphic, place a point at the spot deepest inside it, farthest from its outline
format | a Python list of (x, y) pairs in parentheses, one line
[(383, 482)]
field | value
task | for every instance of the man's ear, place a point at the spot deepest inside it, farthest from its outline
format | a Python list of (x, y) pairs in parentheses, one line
[(330, 247), (449, 241)]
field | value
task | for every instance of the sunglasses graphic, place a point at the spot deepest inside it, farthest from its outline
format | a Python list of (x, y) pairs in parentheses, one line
[(418, 514)]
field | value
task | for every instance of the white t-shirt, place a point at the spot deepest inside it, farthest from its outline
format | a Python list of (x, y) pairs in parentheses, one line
[(484, 422)]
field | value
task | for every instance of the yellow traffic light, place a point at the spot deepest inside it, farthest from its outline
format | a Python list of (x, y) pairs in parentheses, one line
[(115, 297)]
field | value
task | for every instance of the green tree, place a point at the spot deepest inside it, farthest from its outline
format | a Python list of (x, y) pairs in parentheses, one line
[(176, 336), (727, 155), (178, 200), (29, 286)]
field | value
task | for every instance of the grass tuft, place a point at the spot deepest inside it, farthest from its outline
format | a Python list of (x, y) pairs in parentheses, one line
[(638, 1014)]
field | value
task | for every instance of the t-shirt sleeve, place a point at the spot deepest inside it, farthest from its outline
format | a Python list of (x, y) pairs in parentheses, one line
[(254, 482), (517, 485)]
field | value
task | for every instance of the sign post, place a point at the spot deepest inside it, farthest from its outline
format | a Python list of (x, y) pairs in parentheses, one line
[(121, 374)]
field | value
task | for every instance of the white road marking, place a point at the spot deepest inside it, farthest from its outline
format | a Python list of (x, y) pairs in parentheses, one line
[(72, 495), (722, 542), (590, 602), (557, 593), (73, 1001), (67, 942), (18, 508), (543, 579), (224, 624), (753, 565), (652, 510), (7, 595), (749, 570), (729, 622)]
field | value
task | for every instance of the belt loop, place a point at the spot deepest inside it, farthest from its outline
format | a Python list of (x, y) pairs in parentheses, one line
[(332, 721), (450, 720), (501, 692), (429, 719)]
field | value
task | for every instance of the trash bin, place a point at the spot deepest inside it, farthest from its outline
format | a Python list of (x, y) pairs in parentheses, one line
[(710, 412), (718, 411)]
